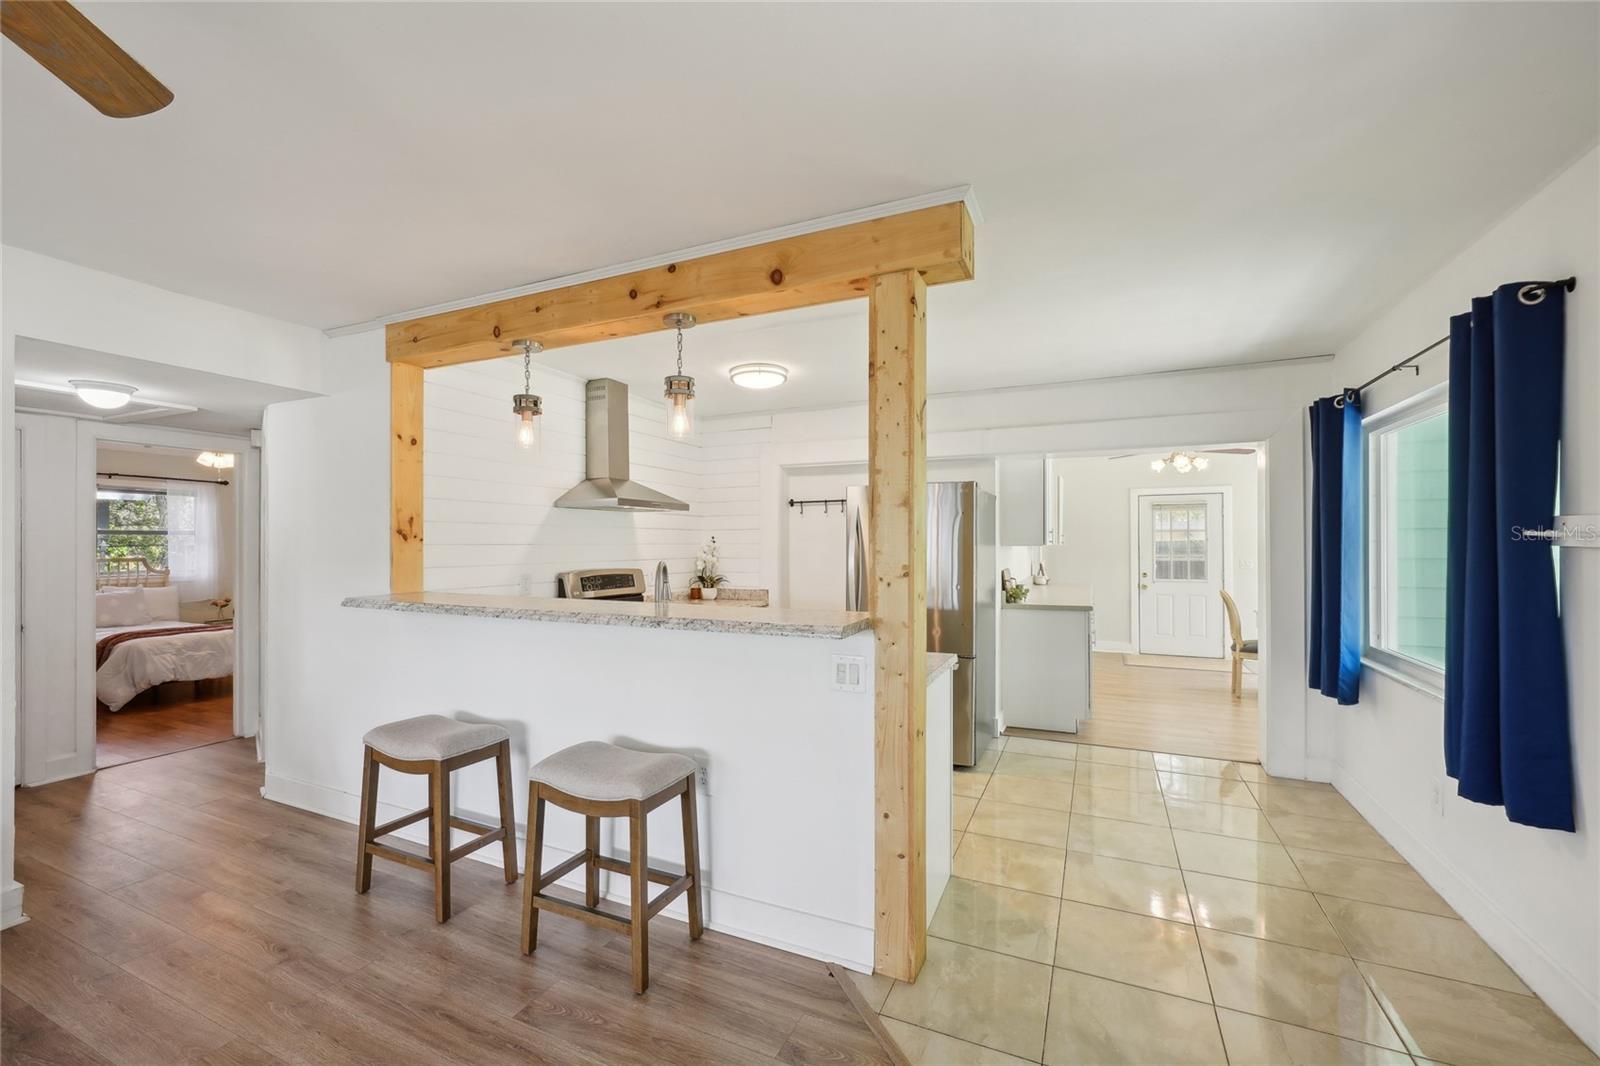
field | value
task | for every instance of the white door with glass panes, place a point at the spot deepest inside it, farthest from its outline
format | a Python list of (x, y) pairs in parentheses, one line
[(1180, 575)]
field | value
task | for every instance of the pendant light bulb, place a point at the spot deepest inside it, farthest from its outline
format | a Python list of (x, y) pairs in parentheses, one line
[(680, 386), (528, 408)]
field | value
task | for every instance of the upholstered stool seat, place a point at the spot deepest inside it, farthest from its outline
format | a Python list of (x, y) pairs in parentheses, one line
[(434, 745), (433, 736), (1249, 647), (600, 780), (595, 770)]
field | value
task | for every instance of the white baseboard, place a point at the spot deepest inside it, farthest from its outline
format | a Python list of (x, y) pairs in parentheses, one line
[(11, 906), (1114, 645), (1559, 987), (812, 935)]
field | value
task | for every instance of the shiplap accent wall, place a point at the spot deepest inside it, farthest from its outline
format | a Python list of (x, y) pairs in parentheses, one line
[(490, 523)]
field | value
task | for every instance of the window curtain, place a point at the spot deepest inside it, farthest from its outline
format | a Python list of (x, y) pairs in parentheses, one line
[(193, 539), (1506, 737), (1336, 539)]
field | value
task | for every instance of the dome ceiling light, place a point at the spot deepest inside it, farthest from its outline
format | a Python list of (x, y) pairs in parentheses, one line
[(106, 395), (758, 375)]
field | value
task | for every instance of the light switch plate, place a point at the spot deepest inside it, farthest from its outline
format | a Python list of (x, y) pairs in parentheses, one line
[(849, 673)]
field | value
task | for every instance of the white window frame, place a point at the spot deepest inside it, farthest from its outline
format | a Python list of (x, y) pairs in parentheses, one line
[(1379, 554)]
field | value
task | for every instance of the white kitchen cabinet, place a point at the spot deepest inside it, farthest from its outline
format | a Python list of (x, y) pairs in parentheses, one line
[(1045, 652), (1023, 508)]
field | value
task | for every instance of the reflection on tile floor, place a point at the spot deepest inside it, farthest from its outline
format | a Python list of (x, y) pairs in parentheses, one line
[(1119, 906)]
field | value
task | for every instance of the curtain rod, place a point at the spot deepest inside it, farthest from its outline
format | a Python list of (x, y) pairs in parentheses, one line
[(1531, 293), (158, 477)]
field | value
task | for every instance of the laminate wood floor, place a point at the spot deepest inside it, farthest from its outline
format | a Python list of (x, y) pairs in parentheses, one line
[(144, 730), (175, 916), (1186, 712)]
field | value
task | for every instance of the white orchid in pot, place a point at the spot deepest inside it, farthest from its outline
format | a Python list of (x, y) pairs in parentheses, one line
[(706, 575)]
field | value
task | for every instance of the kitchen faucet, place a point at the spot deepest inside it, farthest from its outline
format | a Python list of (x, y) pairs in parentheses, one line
[(663, 583)]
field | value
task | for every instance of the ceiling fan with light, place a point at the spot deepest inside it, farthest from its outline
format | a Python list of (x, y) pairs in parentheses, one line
[(1184, 460), (63, 41)]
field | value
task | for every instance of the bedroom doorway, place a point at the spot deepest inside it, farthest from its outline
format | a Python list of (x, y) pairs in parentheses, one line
[(166, 558)]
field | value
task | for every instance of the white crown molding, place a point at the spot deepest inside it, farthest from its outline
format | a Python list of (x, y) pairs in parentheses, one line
[(959, 194)]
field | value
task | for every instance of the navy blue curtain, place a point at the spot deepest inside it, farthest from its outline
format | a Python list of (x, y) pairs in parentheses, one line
[(1506, 736), (1336, 535)]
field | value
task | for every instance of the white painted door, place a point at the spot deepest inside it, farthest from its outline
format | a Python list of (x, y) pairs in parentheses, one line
[(1180, 575)]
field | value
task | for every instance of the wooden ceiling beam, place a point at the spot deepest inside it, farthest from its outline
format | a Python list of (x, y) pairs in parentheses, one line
[(804, 271)]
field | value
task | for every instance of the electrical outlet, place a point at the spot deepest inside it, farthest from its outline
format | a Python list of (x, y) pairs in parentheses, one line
[(525, 585), (848, 673), (1438, 799), (702, 778)]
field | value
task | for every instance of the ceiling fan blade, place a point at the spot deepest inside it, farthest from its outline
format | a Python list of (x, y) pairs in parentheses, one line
[(91, 64)]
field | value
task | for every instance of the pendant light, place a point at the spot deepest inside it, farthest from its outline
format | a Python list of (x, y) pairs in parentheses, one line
[(680, 386), (527, 406)]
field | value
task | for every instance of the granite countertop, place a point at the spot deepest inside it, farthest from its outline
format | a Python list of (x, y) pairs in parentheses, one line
[(940, 662), (1057, 598), (714, 617)]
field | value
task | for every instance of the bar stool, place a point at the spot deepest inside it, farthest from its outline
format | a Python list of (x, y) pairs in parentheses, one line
[(600, 780), (434, 745)]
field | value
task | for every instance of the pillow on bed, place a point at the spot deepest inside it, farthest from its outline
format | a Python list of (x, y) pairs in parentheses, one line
[(161, 603), (120, 607)]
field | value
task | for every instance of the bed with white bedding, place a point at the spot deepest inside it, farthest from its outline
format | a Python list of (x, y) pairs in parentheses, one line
[(140, 643)]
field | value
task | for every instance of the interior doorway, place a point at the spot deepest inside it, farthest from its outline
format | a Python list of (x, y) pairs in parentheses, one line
[(1160, 542), (166, 558)]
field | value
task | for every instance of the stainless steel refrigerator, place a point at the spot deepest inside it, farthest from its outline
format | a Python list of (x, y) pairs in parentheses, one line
[(963, 588)]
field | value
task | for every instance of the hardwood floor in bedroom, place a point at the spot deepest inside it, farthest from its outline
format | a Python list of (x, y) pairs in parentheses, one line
[(177, 916), (147, 728)]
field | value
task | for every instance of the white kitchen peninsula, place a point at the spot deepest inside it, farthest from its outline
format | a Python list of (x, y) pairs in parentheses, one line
[(786, 802), (1046, 642)]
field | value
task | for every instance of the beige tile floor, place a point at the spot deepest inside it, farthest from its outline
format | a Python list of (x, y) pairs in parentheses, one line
[(1118, 906)]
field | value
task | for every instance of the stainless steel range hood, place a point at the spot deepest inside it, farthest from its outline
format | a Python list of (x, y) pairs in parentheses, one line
[(608, 486)]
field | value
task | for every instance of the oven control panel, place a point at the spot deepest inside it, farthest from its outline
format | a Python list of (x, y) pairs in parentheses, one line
[(601, 584)]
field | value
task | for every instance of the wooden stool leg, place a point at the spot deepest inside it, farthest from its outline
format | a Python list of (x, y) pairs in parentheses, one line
[(691, 859), (508, 814), (591, 871), (439, 834), (1238, 677), (531, 869), (639, 867), (368, 819)]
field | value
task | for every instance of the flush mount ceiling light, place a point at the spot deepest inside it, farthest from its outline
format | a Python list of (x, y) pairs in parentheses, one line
[(216, 460), (759, 375), (106, 395), (527, 407), (1182, 462), (680, 386)]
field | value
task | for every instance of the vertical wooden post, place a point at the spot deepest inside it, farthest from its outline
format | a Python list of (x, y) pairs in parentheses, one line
[(897, 494), (405, 478)]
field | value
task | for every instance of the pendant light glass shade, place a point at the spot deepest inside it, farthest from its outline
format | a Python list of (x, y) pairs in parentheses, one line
[(680, 386), (528, 408)]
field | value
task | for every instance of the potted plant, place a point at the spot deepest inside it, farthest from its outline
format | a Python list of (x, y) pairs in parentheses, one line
[(706, 576)]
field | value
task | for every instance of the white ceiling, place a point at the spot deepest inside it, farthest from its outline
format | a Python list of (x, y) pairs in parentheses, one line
[(1162, 186), (213, 403)]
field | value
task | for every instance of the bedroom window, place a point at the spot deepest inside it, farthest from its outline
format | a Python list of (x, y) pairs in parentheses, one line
[(1407, 477), (141, 522)]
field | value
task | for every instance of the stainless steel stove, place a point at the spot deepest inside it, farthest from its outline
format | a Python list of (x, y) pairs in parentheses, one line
[(603, 584)]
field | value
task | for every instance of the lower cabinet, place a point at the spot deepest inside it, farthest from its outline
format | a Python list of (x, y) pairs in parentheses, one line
[(1045, 661)]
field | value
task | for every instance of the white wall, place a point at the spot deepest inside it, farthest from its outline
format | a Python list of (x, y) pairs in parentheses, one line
[(1532, 893), (156, 464), (1095, 547), (489, 519), (52, 300)]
